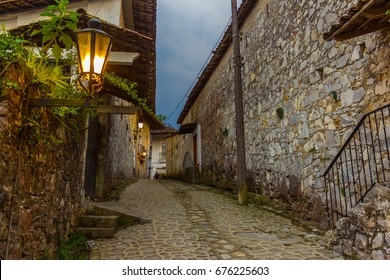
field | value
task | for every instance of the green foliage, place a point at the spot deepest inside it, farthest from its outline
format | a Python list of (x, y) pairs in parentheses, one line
[(313, 150), (225, 132), (335, 96), (53, 31), (161, 118), (280, 112), (11, 85), (45, 73), (40, 75), (75, 249), (12, 49), (342, 191), (130, 89)]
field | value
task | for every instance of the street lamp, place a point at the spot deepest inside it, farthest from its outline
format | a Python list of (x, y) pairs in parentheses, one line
[(140, 124), (93, 46)]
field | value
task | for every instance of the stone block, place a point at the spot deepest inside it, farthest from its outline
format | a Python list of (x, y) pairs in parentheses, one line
[(25, 221), (342, 61), (377, 255), (387, 238), (377, 241), (361, 241), (347, 247), (294, 186)]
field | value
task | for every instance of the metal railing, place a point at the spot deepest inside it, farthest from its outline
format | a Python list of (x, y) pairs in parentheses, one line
[(362, 162)]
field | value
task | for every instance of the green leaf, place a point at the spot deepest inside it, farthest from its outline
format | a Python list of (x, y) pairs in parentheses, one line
[(52, 8), (73, 15), (47, 37), (57, 52), (67, 40), (71, 25), (35, 32), (47, 14)]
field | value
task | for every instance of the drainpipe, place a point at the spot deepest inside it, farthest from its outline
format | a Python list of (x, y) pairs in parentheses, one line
[(242, 187)]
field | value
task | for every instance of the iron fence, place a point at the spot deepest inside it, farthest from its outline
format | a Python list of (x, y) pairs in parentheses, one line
[(362, 162)]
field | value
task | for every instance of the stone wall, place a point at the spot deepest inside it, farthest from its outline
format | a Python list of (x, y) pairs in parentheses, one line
[(41, 201), (320, 88), (365, 232), (119, 150)]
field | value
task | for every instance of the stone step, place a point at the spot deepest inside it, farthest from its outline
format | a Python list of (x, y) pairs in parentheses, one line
[(97, 232), (92, 221)]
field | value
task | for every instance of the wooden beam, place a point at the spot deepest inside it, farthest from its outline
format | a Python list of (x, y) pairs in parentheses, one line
[(53, 102), (352, 19), (101, 109), (360, 32), (376, 12), (121, 110)]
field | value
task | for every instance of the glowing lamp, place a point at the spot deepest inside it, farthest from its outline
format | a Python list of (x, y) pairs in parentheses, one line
[(93, 47)]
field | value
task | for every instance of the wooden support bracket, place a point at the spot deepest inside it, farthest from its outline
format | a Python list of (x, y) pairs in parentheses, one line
[(84, 103)]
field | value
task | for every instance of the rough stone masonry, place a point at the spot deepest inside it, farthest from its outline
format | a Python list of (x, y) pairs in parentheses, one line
[(40, 194), (302, 95)]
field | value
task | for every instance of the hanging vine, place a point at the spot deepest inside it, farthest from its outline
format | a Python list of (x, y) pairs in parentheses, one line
[(130, 88)]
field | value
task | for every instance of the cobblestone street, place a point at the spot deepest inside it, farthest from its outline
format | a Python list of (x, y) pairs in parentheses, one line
[(192, 222)]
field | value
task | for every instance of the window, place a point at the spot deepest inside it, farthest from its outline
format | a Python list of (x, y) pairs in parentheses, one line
[(163, 153)]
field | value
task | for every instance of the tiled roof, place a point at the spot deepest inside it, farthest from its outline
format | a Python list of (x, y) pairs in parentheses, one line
[(365, 17), (10, 6)]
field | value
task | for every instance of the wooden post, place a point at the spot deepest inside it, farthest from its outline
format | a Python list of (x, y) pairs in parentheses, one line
[(242, 187)]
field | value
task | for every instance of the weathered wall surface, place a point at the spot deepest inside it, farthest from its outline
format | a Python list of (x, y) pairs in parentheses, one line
[(42, 201), (174, 157), (120, 147), (365, 232), (322, 87)]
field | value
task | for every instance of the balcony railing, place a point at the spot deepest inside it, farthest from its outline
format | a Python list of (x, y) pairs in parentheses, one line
[(362, 162)]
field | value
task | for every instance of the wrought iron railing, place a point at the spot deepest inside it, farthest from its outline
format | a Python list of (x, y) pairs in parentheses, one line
[(362, 162)]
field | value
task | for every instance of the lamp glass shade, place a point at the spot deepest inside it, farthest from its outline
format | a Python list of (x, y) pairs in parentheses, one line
[(93, 47), (84, 50), (140, 124), (102, 48)]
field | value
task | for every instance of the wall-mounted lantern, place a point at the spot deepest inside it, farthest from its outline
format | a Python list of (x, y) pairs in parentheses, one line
[(140, 124), (93, 47)]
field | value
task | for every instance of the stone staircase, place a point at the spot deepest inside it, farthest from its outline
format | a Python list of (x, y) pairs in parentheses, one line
[(93, 226), (99, 220)]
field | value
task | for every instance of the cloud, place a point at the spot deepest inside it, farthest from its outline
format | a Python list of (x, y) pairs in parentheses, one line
[(187, 31)]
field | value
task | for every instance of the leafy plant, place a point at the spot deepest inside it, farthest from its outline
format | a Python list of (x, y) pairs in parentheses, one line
[(280, 112), (38, 77), (130, 89), (335, 96), (161, 118), (75, 249), (53, 30), (12, 49), (225, 132), (313, 150)]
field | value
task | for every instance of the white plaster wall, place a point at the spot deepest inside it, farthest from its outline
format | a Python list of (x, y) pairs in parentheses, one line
[(108, 10)]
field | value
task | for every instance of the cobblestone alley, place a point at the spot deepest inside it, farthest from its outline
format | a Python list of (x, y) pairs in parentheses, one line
[(192, 222)]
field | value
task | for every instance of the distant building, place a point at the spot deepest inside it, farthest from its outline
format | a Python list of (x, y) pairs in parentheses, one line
[(158, 160)]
